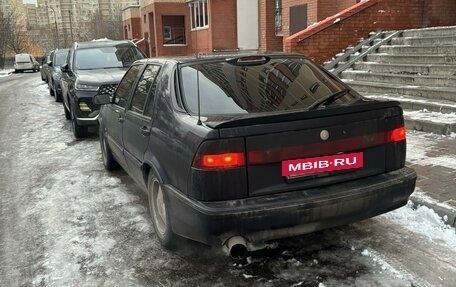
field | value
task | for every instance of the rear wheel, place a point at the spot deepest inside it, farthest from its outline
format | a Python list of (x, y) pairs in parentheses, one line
[(159, 212), (58, 97), (108, 159), (51, 89), (78, 130)]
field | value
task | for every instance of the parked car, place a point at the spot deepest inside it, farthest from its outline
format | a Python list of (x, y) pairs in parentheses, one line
[(24, 62), (57, 60), (45, 68), (91, 68), (253, 148)]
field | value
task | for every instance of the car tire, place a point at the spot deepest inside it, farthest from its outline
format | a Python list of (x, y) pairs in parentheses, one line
[(158, 209), (106, 155), (57, 96), (67, 112), (78, 130), (51, 89)]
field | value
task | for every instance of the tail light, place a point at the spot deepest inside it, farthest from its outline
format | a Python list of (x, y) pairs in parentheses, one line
[(220, 154), (397, 135), (218, 171)]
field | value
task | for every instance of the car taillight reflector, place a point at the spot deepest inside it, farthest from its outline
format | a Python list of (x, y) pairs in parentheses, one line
[(220, 154), (225, 160), (397, 135)]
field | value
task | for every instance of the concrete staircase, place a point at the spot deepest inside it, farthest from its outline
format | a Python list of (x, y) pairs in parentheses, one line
[(417, 68)]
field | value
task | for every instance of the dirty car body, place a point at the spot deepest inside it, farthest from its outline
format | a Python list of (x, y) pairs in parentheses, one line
[(258, 146)]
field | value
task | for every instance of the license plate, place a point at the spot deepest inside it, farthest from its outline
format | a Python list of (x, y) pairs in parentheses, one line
[(313, 165)]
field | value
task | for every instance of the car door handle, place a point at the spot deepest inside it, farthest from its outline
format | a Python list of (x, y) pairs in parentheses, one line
[(145, 131), (119, 116)]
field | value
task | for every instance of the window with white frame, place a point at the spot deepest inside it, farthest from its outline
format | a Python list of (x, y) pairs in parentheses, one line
[(199, 14)]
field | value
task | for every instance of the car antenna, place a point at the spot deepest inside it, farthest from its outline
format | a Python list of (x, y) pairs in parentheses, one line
[(197, 82), (198, 90)]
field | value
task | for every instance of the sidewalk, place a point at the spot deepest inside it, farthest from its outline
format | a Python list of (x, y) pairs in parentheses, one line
[(434, 159)]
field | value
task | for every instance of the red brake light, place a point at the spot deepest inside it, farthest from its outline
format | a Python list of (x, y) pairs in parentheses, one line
[(220, 154), (397, 135), (225, 160)]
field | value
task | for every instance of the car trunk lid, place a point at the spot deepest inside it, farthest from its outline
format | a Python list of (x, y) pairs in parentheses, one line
[(308, 149)]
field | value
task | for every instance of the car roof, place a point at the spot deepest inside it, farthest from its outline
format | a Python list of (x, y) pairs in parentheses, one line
[(102, 43), (211, 57), (61, 50)]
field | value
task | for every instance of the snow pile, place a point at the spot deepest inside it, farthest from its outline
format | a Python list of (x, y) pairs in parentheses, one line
[(5, 73), (424, 221)]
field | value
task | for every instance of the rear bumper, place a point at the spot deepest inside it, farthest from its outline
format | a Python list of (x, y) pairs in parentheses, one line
[(289, 214)]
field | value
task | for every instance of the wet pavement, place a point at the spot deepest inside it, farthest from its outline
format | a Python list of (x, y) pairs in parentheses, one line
[(436, 181)]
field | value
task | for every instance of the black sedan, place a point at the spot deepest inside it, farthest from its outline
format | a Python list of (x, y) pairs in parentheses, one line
[(249, 148)]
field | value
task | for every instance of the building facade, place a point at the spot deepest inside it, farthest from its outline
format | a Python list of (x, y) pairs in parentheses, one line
[(182, 27)]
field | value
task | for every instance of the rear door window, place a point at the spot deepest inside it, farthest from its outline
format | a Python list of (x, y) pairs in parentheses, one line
[(257, 85), (125, 86), (145, 90)]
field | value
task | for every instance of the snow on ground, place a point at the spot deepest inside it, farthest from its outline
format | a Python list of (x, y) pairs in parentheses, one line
[(424, 197), (5, 73), (407, 99), (419, 144), (424, 220), (449, 118)]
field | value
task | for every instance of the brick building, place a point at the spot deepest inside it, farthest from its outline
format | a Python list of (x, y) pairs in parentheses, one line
[(318, 28)]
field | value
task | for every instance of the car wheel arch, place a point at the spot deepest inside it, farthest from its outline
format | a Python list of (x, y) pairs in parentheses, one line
[(153, 164)]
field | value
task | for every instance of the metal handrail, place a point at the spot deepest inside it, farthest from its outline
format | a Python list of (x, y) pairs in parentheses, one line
[(349, 52), (362, 55)]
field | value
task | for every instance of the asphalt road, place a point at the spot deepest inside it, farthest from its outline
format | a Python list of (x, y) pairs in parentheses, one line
[(65, 221)]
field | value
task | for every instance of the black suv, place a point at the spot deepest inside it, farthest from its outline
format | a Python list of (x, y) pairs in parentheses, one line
[(91, 68)]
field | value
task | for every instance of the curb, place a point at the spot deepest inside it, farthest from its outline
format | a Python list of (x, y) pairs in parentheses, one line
[(441, 211)]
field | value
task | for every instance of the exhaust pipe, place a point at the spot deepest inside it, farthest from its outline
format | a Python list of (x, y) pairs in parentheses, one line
[(237, 247)]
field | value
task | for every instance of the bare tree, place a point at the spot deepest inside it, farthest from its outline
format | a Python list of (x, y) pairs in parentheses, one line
[(100, 26), (17, 28), (5, 33)]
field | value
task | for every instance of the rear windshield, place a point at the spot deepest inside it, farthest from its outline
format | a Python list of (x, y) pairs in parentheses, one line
[(60, 58), (23, 58), (106, 57), (276, 84)]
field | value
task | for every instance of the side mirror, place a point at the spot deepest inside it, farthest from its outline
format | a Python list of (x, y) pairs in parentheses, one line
[(64, 68), (102, 99), (49, 63)]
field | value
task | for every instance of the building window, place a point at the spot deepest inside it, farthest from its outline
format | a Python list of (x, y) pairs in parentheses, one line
[(145, 18), (173, 30), (199, 14)]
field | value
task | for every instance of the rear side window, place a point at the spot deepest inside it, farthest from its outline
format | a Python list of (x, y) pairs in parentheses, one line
[(144, 88), (275, 84), (123, 90), (60, 58)]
